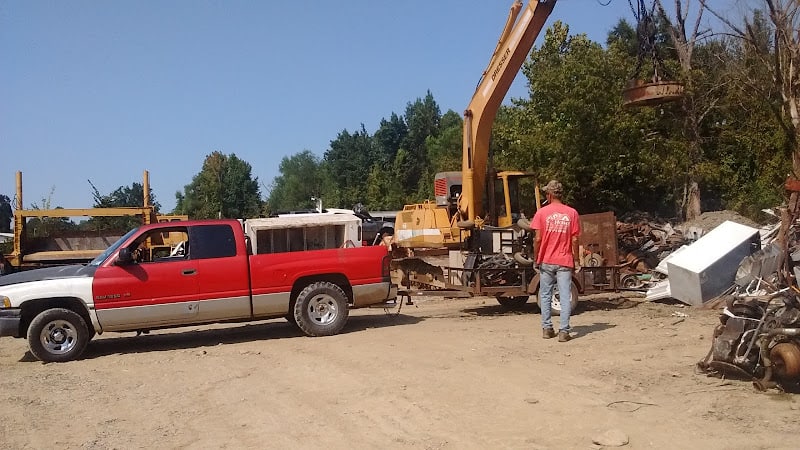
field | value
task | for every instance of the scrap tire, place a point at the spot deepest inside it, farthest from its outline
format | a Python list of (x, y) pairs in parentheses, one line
[(522, 259), (58, 335), (321, 309), (513, 302), (555, 304)]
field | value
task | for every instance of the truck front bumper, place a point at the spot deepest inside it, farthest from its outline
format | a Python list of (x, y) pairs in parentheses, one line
[(9, 322)]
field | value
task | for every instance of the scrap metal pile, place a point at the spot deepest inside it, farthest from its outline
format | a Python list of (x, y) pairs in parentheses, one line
[(758, 338), (643, 242)]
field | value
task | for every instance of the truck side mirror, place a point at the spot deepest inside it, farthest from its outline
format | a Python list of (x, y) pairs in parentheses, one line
[(125, 257)]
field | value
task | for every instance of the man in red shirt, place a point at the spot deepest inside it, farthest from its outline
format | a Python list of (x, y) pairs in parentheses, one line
[(557, 229)]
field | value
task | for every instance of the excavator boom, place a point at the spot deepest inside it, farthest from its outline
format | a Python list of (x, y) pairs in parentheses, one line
[(516, 41), (460, 196)]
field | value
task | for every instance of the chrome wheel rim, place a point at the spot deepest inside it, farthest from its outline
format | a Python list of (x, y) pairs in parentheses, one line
[(59, 337), (322, 309)]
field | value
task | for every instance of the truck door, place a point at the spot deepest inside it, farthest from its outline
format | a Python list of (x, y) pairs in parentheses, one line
[(159, 287), (224, 275)]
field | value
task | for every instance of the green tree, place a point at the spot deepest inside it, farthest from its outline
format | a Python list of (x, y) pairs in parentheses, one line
[(300, 179), (750, 145), (444, 152), (389, 138), (36, 228), (384, 189), (347, 165), (123, 196), (423, 118), (223, 188), (6, 214), (572, 126)]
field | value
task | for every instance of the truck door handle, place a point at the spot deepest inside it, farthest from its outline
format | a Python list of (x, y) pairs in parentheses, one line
[(189, 271)]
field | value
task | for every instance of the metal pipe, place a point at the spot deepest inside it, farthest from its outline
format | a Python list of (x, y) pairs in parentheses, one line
[(19, 190), (146, 188), (743, 357), (766, 381), (784, 332)]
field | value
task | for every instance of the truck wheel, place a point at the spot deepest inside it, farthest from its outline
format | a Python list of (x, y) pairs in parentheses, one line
[(513, 302), (57, 335), (290, 318), (321, 309), (555, 302)]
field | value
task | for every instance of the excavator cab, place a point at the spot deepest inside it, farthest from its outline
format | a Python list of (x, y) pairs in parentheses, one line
[(512, 198)]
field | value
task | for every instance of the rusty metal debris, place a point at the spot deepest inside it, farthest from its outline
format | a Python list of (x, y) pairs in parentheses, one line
[(758, 338)]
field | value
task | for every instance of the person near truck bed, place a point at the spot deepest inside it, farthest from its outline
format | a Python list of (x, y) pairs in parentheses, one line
[(557, 228)]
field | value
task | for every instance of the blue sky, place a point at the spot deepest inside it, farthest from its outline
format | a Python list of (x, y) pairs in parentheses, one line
[(103, 90)]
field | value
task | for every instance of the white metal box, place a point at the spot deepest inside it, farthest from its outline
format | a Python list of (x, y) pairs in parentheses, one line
[(708, 267)]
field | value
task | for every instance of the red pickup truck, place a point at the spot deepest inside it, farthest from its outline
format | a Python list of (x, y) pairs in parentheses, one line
[(191, 272)]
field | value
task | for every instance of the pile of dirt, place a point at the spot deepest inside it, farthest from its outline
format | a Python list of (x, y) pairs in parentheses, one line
[(707, 221)]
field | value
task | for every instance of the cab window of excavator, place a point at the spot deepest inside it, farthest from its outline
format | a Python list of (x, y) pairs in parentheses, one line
[(513, 195), (522, 192), (499, 199)]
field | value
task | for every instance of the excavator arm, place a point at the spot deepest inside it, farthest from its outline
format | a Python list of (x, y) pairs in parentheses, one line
[(516, 41)]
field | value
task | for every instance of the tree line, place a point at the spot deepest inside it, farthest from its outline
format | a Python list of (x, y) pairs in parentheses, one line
[(729, 142)]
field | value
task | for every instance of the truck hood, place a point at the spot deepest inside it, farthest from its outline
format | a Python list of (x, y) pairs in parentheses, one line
[(48, 273)]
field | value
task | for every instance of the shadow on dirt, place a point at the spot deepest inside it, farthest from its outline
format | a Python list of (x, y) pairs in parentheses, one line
[(606, 303), (596, 303), (188, 338), (582, 330), (500, 310)]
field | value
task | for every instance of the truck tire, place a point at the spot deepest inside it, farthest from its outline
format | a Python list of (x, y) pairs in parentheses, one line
[(57, 335), (555, 303), (513, 302), (321, 309)]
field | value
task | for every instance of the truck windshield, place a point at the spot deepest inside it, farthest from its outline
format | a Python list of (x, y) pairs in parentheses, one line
[(102, 257)]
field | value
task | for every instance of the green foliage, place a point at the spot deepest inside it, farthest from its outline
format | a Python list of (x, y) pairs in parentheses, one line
[(572, 126), (224, 188), (347, 166), (123, 196), (423, 118), (6, 214), (301, 179)]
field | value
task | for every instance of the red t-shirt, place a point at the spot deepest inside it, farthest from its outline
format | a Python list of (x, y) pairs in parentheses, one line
[(557, 224)]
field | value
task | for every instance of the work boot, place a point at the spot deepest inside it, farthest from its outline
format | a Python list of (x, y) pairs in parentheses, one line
[(548, 333), (563, 336)]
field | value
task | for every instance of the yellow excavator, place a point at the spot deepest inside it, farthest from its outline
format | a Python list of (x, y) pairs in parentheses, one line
[(471, 230), (477, 219), (461, 197)]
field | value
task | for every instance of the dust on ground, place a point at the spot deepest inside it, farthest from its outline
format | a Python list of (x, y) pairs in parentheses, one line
[(441, 374)]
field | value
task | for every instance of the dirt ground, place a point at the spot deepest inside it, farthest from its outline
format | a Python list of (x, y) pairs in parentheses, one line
[(443, 374)]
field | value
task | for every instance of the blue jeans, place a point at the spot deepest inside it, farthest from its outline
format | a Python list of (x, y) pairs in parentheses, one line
[(550, 275)]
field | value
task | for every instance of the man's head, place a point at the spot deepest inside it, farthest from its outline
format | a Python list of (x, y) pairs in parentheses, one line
[(554, 188)]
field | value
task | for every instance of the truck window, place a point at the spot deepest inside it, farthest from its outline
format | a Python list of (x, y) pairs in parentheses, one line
[(161, 245), (212, 241)]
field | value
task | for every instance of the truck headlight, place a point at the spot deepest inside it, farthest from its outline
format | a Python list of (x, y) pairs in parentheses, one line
[(5, 301)]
